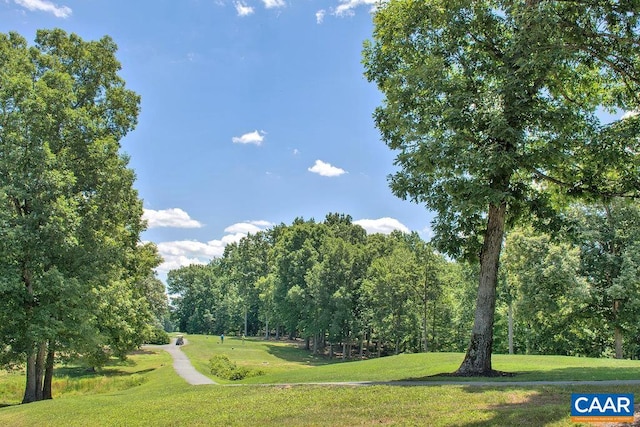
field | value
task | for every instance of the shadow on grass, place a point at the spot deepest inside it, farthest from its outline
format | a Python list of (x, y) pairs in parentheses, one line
[(558, 374), (581, 374), (77, 372), (523, 407), (295, 352)]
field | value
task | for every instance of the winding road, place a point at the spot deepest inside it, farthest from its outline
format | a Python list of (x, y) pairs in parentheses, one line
[(182, 364)]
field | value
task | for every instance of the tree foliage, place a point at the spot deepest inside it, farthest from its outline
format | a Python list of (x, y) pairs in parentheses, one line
[(70, 219), (492, 108), (321, 282)]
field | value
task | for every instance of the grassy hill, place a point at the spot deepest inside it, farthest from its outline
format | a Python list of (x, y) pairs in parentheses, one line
[(146, 391)]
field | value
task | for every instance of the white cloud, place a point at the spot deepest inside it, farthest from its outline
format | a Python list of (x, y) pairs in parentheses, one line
[(174, 217), (248, 227), (382, 225), (254, 137), (181, 253), (243, 9), (630, 114), (326, 169), (346, 7), (45, 6), (320, 16), (269, 4)]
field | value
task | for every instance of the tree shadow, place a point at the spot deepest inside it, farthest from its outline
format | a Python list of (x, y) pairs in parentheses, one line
[(77, 372), (448, 377), (558, 374), (523, 406), (295, 353), (582, 374)]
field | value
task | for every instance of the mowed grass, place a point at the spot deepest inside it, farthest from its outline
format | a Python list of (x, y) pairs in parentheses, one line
[(74, 380), (164, 399), (286, 362), (273, 357)]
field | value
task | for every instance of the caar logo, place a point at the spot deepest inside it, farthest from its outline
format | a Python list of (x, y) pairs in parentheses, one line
[(601, 407)]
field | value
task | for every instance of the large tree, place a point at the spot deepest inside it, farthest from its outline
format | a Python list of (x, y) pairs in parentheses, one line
[(609, 239), (547, 293), (70, 219), (492, 107)]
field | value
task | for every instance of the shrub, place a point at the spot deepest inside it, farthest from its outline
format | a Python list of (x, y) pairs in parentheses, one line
[(158, 336), (224, 368)]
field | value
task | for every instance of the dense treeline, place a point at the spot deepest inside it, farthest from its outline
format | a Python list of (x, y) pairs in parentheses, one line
[(330, 284), (574, 292)]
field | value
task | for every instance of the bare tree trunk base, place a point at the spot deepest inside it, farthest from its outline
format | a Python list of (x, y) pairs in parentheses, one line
[(492, 373)]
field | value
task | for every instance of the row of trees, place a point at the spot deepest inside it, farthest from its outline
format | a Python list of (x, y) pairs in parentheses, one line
[(74, 279), (329, 283), (574, 293)]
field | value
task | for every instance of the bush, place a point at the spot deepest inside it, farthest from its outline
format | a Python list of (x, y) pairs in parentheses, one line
[(158, 336), (224, 368)]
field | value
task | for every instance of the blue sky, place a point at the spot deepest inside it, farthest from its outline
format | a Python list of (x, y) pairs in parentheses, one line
[(253, 113)]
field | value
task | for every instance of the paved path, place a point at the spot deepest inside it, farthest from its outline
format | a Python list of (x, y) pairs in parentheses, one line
[(185, 369), (182, 364)]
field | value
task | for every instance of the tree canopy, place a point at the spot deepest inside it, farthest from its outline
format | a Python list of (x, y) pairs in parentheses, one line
[(493, 110), (70, 219)]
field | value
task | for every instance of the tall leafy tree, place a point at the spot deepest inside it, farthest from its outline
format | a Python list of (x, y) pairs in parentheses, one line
[(295, 254), (492, 109), (548, 293), (389, 289), (204, 299), (608, 237), (246, 262), (70, 219)]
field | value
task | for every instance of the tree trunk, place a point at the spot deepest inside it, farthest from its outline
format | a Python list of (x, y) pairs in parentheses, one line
[(617, 332), (30, 389), (48, 373), (30, 394), (478, 358), (433, 326), (425, 330), (40, 368), (510, 314), (245, 321), (618, 342)]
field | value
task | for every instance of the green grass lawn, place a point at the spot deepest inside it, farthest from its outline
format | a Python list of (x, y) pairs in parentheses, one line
[(146, 391), (286, 362)]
